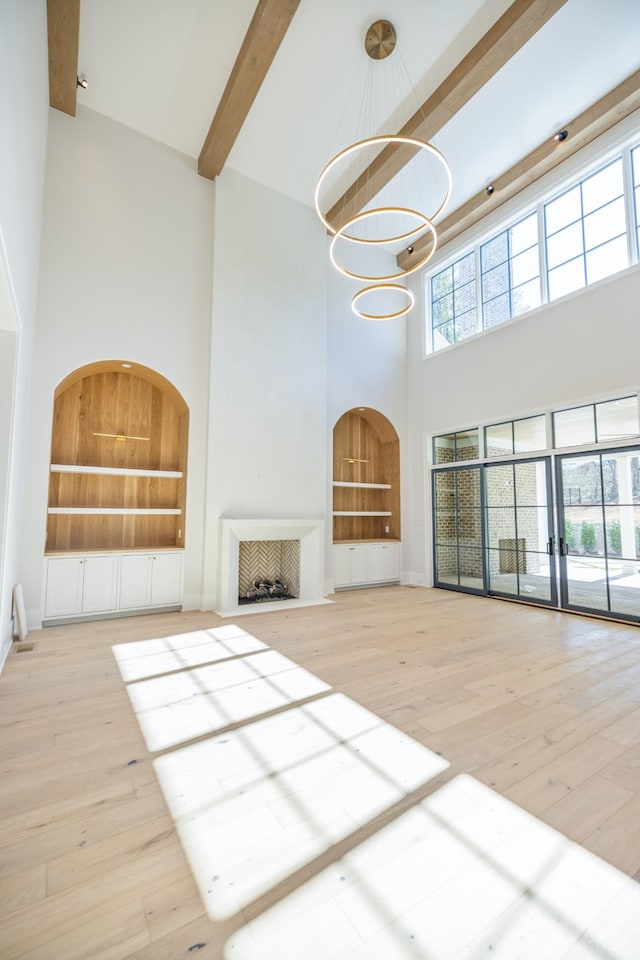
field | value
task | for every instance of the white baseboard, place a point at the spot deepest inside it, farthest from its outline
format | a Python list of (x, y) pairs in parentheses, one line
[(412, 579)]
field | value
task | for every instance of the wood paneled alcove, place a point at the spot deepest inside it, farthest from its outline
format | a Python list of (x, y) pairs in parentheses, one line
[(118, 460), (366, 477)]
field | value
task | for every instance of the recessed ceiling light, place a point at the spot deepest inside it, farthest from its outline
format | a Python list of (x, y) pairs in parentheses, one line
[(127, 366)]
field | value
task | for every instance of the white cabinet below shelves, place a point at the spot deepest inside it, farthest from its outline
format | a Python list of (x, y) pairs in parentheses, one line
[(350, 566), (356, 564), (88, 585), (150, 580), (80, 585), (384, 562)]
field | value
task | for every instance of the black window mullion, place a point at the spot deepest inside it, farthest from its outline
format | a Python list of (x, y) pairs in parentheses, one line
[(604, 533)]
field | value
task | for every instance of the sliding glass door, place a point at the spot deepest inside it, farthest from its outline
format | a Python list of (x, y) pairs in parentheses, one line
[(492, 527), (458, 529), (494, 531), (599, 532), (519, 530)]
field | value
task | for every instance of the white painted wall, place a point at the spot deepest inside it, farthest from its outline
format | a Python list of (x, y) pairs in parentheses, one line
[(583, 347), (125, 273), (267, 438), (367, 367), (23, 135)]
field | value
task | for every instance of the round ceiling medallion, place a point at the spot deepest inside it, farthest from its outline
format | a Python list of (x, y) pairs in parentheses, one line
[(380, 40)]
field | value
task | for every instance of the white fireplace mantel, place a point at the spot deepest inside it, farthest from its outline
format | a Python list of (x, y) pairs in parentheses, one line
[(310, 533)]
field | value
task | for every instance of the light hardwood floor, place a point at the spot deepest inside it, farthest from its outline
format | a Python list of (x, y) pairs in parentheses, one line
[(526, 705)]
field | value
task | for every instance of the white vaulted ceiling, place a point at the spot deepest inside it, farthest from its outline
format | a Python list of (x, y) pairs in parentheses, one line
[(160, 67)]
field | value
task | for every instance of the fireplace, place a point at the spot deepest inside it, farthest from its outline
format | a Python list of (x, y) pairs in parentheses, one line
[(268, 571), (298, 548)]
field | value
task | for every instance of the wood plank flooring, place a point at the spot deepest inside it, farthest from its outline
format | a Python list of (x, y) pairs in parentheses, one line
[(538, 708)]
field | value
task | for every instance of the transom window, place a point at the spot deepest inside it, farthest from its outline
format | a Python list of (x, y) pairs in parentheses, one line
[(604, 421), (510, 273), (635, 165), (576, 238), (597, 423), (586, 232)]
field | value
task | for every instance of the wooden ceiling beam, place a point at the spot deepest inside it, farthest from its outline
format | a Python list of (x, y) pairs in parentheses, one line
[(266, 31), (619, 103), (63, 32), (509, 34)]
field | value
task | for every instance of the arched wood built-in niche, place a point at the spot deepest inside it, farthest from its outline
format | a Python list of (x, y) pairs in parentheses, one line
[(366, 477), (118, 460)]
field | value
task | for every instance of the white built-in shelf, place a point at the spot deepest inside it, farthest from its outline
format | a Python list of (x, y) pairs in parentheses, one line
[(113, 471), (362, 513), (364, 486), (114, 511)]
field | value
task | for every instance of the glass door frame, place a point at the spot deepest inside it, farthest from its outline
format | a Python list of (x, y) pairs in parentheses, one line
[(443, 584), (551, 532), (563, 548)]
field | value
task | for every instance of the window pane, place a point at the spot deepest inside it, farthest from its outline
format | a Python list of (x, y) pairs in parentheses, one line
[(526, 297), (581, 484), (530, 434), (466, 325), (617, 419), (446, 528), (607, 259), (524, 234), (444, 451), (494, 252), (566, 279), (635, 162), (468, 487), (442, 283), (563, 210), (496, 311), (495, 282), (467, 445), (443, 336), (573, 427), (607, 222), (564, 245), (465, 298), (499, 481), (498, 439), (443, 310), (446, 565), (602, 187), (464, 270), (525, 266)]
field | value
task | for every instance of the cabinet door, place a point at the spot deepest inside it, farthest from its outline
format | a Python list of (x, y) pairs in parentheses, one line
[(384, 562), (64, 586), (377, 554), (135, 580), (359, 563), (100, 585), (392, 561), (166, 579), (341, 567)]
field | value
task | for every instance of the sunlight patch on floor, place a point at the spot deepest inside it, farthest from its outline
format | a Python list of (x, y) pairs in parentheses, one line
[(259, 802), (275, 781), (464, 874)]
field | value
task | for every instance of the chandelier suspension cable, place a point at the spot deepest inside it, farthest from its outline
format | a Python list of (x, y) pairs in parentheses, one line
[(394, 219)]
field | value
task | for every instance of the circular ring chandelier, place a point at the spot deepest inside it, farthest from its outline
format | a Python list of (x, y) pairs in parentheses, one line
[(381, 287), (372, 141), (367, 214), (380, 41)]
